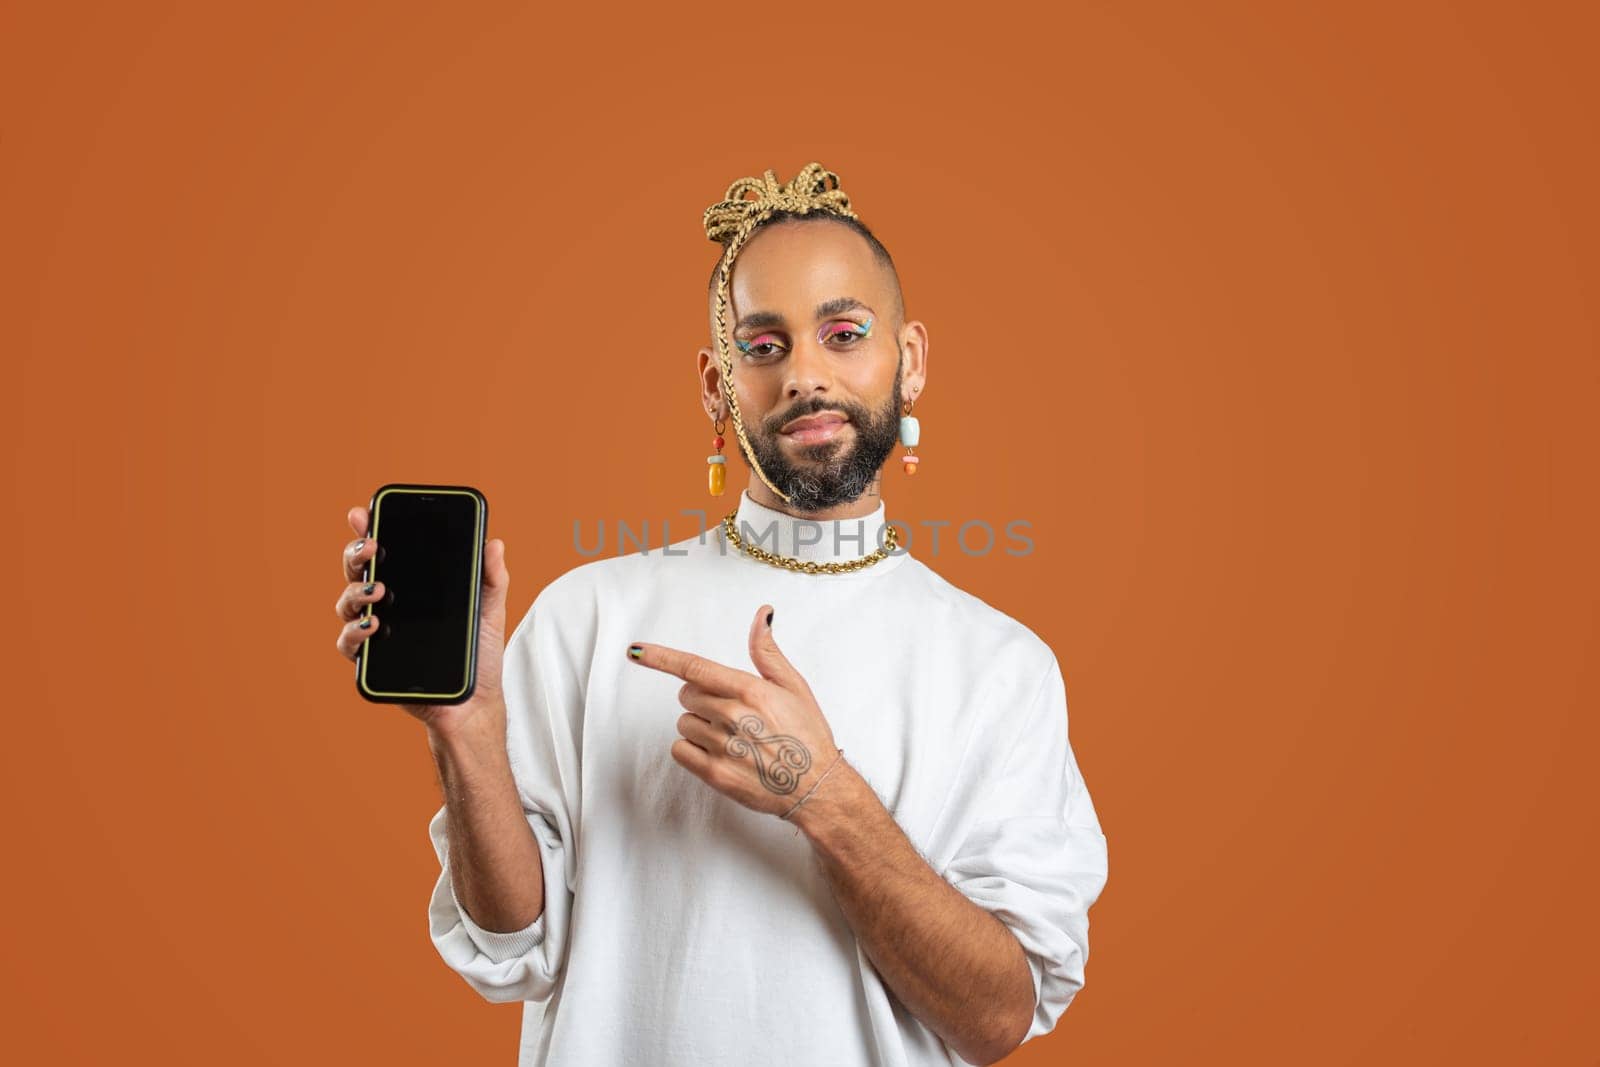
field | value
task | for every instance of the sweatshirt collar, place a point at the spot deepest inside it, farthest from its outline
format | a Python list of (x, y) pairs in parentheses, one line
[(824, 540)]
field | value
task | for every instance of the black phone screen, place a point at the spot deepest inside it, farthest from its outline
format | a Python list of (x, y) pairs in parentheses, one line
[(430, 560)]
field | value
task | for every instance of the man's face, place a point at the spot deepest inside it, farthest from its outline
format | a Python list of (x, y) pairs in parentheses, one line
[(801, 297)]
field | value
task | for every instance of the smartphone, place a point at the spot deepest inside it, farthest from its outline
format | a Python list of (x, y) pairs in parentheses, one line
[(430, 559)]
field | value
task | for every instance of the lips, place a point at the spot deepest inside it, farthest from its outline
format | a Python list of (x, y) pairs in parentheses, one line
[(813, 422)]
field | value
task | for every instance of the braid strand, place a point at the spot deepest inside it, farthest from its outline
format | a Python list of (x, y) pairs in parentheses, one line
[(730, 222)]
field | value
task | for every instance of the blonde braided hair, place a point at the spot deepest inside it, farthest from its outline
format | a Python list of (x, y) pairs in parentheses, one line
[(730, 222)]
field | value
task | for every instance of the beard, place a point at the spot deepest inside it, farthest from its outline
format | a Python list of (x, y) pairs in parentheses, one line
[(829, 473)]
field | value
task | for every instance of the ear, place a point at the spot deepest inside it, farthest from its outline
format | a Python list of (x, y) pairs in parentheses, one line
[(709, 374), (913, 359)]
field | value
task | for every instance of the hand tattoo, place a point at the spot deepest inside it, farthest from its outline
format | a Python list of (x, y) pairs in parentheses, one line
[(790, 760)]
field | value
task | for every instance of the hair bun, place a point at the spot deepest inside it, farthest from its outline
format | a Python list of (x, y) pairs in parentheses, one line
[(814, 188)]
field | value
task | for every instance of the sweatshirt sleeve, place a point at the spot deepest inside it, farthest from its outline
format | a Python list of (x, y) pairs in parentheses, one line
[(1035, 856), (542, 700)]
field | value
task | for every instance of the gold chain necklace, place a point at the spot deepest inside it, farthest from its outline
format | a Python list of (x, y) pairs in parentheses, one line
[(891, 539)]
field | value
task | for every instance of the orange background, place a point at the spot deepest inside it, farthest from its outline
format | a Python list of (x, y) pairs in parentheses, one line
[(1278, 327)]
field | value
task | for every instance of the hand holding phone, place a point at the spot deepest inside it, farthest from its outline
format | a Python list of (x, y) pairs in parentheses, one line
[(434, 609)]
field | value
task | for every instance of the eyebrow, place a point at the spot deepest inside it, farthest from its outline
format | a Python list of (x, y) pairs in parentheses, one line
[(837, 306)]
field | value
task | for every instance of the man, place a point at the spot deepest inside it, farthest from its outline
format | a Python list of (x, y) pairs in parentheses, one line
[(652, 834)]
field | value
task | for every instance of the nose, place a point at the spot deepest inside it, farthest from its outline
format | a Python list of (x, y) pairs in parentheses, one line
[(810, 370)]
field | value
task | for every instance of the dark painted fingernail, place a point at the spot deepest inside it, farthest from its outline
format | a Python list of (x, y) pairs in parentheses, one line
[(359, 545), (769, 617), (635, 651), (365, 623), (368, 588)]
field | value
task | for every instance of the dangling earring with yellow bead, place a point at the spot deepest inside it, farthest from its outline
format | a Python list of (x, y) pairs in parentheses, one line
[(717, 463), (910, 433)]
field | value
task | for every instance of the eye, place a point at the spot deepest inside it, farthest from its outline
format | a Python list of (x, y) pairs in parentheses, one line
[(760, 347), (846, 333)]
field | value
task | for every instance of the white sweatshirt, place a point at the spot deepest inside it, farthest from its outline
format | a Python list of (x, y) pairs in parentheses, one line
[(681, 927)]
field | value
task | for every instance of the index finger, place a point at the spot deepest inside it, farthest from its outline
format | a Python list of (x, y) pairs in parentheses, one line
[(708, 674), (355, 559)]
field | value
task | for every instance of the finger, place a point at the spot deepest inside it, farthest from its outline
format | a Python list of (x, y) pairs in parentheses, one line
[(693, 758), (707, 674), (356, 554), (354, 632), (719, 710), (708, 736), (767, 656), (496, 584), (356, 596), (357, 517)]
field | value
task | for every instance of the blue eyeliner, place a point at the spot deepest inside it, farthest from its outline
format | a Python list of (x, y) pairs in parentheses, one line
[(861, 331)]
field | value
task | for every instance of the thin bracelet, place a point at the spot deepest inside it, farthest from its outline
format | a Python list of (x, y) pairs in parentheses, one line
[(814, 785)]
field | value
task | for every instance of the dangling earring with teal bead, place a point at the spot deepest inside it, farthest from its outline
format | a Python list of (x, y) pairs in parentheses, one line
[(717, 463), (910, 433)]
